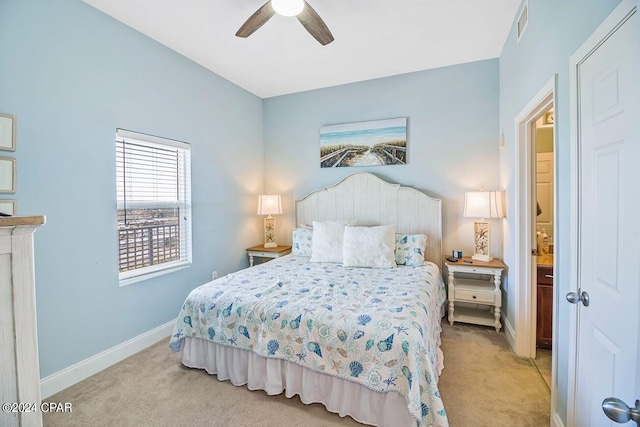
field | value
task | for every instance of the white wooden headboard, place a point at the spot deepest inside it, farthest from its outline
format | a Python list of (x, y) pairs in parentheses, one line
[(372, 201)]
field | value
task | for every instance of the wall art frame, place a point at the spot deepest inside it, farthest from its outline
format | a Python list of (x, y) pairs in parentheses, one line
[(8, 126), (371, 143), (8, 207), (7, 175)]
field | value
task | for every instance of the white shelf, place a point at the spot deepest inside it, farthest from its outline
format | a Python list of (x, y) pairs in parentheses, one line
[(19, 369), (476, 316)]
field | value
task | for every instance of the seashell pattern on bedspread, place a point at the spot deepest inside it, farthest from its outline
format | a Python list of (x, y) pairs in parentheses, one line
[(376, 327)]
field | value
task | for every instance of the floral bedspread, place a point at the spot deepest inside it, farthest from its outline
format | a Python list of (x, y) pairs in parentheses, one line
[(376, 327)]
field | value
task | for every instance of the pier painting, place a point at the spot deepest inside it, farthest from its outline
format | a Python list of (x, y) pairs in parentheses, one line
[(374, 143)]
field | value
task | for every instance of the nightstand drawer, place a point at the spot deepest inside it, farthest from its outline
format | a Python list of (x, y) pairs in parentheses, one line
[(262, 254), (473, 290), (475, 296), (478, 270)]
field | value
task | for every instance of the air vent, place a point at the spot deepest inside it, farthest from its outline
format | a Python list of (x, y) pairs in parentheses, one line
[(523, 20)]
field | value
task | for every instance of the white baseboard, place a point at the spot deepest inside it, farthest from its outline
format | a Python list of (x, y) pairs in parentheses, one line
[(510, 333), (84, 369), (556, 421)]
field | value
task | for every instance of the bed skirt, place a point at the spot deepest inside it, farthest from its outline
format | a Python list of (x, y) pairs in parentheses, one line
[(275, 376)]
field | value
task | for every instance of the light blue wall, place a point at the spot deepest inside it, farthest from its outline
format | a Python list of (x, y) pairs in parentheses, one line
[(556, 30), (453, 139), (72, 75)]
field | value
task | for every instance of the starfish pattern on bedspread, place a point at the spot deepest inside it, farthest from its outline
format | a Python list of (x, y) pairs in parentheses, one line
[(369, 326)]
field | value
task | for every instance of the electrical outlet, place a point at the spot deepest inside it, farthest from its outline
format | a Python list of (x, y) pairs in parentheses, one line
[(214, 275)]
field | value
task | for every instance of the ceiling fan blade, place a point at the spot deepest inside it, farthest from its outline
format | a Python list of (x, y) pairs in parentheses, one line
[(310, 19), (256, 20)]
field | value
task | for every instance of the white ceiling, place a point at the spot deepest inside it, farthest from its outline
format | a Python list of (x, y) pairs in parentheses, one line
[(373, 38)]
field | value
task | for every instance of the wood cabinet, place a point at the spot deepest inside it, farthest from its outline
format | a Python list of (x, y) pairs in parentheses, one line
[(19, 372), (544, 316)]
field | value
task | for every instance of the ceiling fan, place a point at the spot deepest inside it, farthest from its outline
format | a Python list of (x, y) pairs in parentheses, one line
[(307, 16)]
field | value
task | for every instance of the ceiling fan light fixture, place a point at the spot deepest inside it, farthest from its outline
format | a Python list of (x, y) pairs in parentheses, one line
[(288, 7)]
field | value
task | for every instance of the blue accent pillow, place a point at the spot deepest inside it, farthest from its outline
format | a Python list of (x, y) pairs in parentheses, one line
[(302, 238), (410, 249)]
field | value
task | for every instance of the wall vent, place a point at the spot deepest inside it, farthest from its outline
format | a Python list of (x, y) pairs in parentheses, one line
[(523, 20)]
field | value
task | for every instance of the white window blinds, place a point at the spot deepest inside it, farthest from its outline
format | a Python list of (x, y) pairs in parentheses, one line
[(154, 206)]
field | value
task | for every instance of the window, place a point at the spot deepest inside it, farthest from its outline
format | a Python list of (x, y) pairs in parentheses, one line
[(523, 20), (154, 205)]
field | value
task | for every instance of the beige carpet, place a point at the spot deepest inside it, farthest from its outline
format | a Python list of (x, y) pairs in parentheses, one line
[(483, 384)]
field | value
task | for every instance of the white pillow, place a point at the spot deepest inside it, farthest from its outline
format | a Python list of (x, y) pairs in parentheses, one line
[(369, 246), (326, 244)]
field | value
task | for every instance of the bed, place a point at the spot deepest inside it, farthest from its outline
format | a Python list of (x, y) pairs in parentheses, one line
[(364, 342)]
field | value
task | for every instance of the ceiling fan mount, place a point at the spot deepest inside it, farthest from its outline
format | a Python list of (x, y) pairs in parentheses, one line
[(307, 16)]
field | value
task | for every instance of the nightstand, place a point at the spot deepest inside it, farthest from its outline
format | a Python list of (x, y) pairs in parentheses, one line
[(474, 288), (262, 252)]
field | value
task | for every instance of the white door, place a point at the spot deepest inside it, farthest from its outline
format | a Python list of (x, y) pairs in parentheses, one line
[(544, 191), (608, 213)]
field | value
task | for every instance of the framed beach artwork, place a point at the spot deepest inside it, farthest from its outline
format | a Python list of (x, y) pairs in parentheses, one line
[(374, 143)]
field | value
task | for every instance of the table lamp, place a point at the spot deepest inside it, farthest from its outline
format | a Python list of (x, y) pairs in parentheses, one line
[(483, 205), (269, 205)]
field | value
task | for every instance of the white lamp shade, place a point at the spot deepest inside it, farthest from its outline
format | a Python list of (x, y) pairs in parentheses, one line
[(483, 204), (269, 204), (287, 7)]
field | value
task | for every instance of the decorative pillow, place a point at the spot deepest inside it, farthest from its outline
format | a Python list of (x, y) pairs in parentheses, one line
[(369, 247), (302, 241), (410, 249), (326, 243)]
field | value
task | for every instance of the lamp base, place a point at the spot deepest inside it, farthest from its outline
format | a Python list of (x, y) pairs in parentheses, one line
[(483, 258), (481, 241), (269, 232)]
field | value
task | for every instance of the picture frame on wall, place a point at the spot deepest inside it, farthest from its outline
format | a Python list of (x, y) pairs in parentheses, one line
[(7, 175), (7, 132), (8, 207), (372, 143)]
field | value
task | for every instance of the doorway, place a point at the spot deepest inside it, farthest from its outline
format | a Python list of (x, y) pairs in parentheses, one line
[(525, 268), (543, 198)]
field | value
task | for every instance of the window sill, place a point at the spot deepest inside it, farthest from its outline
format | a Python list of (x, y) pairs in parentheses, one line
[(135, 279)]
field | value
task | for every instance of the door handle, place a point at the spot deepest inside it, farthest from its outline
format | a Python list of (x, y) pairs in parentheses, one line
[(549, 276), (575, 298), (620, 412)]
